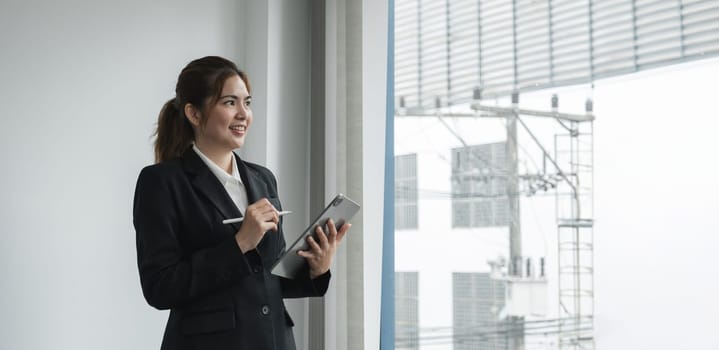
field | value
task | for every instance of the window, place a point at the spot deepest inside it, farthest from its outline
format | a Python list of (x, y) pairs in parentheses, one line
[(405, 186), (477, 301), (479, 186), (406, 311)]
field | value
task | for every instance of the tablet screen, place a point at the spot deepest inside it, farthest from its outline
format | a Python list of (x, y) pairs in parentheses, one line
[(341, 209)]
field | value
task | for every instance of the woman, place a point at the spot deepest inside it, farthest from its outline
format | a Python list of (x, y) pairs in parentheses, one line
[(213, 277)]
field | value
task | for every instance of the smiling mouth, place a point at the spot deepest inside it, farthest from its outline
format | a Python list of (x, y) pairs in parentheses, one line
[(238, 129)]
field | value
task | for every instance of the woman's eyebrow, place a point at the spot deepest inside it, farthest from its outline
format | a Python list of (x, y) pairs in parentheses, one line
[(249, 97)]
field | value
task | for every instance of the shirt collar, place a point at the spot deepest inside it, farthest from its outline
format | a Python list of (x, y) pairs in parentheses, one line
[(221, 174)]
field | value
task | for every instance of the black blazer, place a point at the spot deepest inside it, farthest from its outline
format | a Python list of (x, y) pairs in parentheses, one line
[(190, 263)]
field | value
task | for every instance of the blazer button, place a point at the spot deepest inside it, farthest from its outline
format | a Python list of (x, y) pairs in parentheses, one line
[(256, 269), (265, 310)]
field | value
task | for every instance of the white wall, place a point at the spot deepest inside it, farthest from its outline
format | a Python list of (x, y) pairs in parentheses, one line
[(81, 84)]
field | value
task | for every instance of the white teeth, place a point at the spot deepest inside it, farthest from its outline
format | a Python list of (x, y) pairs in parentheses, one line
[(238, 128)]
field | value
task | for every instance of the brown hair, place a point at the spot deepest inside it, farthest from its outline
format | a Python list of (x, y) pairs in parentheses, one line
[(200, 84)]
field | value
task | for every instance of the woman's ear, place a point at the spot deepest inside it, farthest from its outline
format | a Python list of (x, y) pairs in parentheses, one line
[(192, 114)]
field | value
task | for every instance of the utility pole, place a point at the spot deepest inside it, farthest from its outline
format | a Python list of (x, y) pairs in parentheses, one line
[(515, 232)]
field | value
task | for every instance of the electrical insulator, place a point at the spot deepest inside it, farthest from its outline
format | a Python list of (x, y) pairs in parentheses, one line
[(477, 93), (589, 105), (529, 267)]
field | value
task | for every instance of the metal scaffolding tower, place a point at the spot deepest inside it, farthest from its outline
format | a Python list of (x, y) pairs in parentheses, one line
[(574, 152)]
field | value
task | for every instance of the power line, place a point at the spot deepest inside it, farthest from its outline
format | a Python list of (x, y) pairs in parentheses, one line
[(479, 331), (439, 194)]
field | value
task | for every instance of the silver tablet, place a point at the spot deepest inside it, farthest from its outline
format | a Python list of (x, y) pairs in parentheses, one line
[(341, 209)]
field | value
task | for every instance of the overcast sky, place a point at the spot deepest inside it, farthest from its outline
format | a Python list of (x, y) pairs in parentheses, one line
[(657, 205)]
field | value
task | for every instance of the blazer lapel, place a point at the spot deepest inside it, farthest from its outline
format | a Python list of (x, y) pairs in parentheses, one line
[(206, 182), (256, 188)]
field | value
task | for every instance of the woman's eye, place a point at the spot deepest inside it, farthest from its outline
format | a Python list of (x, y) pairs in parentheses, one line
[(230, 103), (248, 102)]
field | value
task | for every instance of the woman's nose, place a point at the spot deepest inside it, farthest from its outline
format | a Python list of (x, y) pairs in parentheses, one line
[(242, 112)]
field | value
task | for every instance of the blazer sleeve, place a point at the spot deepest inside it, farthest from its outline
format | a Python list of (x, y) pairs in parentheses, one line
[(168, 277), (303, 286)]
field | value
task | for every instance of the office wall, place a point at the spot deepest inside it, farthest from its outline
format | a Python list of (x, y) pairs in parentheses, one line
[(81, 83)]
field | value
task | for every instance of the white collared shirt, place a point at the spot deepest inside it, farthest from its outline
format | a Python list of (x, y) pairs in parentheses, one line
[(232, 183)]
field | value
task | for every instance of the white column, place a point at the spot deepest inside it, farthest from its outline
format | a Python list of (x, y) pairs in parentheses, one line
[(356, 43)]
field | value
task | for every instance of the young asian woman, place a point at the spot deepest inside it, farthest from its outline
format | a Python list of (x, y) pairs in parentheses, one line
[(213, 277)]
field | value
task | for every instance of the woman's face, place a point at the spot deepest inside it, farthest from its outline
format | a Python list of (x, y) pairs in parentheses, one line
[(228, 119)]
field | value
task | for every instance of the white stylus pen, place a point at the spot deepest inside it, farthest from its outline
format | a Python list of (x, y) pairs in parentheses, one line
[(232, 221)]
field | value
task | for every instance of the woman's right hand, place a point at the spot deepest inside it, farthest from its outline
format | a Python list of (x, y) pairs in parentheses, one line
[(259, 218)]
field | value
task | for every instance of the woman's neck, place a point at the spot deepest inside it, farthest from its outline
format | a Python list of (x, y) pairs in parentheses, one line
[(221, 158)]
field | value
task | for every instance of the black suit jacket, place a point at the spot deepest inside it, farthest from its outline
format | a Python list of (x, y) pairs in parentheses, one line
[(190, 263)]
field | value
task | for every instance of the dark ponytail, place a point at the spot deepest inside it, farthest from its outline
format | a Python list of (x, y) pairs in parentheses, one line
[(174, 132), (199, 84)]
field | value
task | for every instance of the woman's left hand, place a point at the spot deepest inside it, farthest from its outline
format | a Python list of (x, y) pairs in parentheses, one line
[(320, 254)]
